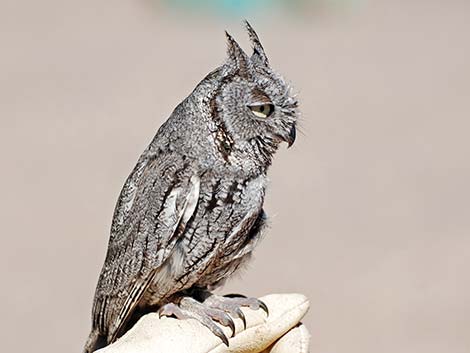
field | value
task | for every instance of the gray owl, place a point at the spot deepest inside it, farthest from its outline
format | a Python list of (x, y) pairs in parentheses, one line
[(191, 211)]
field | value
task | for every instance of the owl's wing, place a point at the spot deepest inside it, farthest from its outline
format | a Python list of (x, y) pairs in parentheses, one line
[(155, 204)]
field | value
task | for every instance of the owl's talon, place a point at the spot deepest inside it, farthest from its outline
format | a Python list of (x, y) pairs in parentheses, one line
[(263, 306), (219, 333), (232, 327), (216, 330), (240, 315), (222, 318), (235, 295)]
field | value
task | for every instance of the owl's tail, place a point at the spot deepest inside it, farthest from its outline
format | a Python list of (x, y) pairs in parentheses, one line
[(94, 342)]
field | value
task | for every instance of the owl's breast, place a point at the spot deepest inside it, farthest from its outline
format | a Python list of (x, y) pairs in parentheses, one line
[(226, 211)]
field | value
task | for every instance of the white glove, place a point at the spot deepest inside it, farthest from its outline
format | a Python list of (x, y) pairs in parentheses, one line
[(281, 332)]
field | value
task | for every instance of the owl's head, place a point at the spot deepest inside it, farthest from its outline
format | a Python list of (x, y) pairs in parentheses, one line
[(252, 104)]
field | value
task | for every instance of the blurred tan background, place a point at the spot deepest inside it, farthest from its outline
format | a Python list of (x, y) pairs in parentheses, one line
[(370, 209)]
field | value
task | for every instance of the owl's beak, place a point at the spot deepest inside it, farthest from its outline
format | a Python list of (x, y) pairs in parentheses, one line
[(288, 137), (291, 137)]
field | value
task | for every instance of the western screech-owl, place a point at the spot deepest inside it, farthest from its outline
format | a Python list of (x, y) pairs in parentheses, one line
[(190, 213)]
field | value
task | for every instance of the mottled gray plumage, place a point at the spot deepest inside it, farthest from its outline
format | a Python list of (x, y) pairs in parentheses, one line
[(190, 213)]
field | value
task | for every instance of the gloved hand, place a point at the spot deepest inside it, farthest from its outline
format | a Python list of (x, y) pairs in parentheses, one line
[(281, 332)]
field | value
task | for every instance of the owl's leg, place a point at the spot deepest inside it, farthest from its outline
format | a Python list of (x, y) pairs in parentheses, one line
[(189, 308)]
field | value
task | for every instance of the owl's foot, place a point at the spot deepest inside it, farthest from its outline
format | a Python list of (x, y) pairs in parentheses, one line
[(189, 308), (233, 302), (212, 308)]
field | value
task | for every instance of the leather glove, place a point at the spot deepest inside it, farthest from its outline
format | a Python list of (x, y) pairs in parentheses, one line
[(280, 332)]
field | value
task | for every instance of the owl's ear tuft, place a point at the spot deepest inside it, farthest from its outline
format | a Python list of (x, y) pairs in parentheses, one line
[(259, 56), (237, 59)]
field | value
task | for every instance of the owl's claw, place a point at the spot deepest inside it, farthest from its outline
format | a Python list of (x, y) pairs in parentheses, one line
[(234, 295), (222, 318), (263, 306), (239, 314)]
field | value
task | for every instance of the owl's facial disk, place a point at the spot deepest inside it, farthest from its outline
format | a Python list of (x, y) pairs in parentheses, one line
[(258, 107)]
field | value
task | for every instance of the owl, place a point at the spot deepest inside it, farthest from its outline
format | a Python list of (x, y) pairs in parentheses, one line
[(191, 211)]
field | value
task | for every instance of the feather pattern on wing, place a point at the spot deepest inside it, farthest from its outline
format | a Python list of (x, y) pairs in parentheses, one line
[(156, 202)]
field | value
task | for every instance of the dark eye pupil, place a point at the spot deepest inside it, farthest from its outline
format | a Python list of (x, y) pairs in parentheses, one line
[(261, 109)]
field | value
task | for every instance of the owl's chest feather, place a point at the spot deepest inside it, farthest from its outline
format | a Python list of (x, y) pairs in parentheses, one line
[(225, 213), (223, 203)]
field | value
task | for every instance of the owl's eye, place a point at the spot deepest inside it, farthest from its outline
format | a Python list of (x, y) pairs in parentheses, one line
[(262, 110)]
